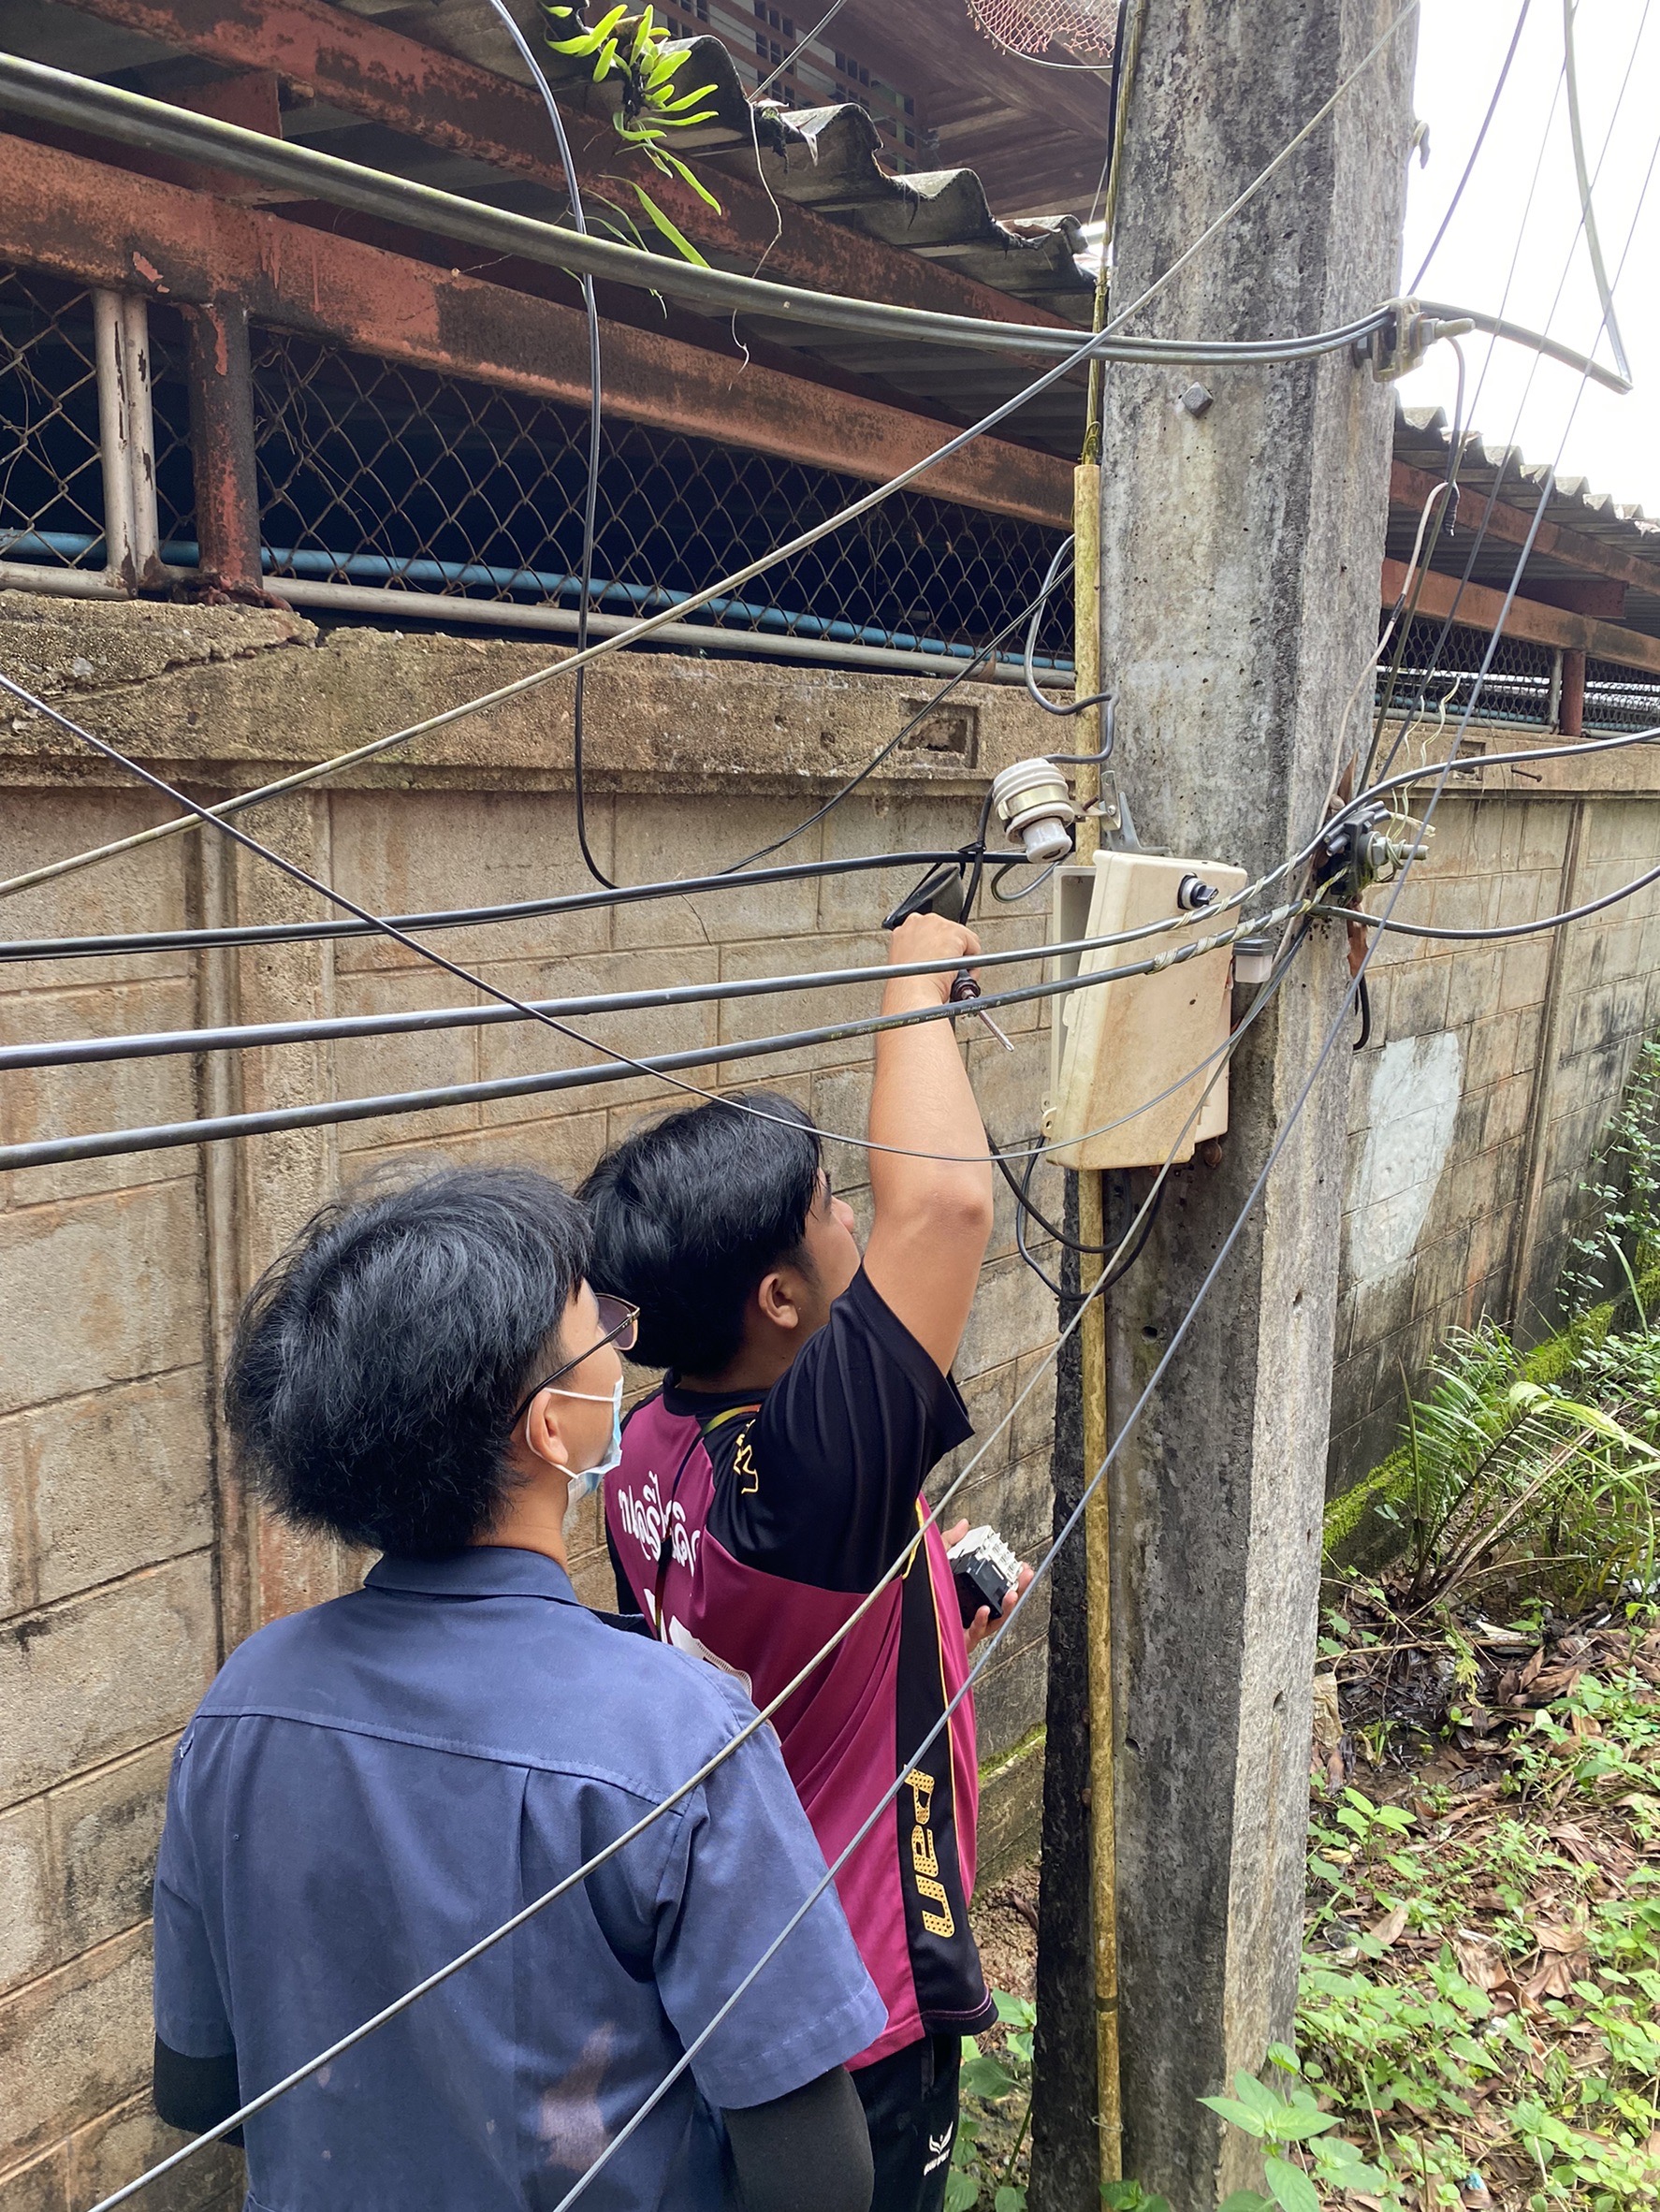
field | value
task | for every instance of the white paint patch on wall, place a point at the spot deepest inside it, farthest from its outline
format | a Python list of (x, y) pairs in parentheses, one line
[(1411, 1112)]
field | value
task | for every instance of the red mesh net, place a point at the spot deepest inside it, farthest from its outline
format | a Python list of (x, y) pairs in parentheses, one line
[(1082, 27)]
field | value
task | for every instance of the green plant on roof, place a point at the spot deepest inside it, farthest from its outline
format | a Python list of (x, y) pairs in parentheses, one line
[(631, 54)]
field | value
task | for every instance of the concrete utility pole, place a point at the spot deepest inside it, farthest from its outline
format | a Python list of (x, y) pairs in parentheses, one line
[(1242, 537)]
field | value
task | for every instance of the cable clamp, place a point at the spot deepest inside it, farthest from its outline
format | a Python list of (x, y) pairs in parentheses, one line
[(1397, 347), (1361, 851)]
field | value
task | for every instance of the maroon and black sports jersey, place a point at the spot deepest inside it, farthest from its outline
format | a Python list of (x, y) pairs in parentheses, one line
[(747, 1529)]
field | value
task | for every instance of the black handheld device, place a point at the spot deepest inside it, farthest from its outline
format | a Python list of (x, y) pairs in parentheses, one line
[(984, 1570)]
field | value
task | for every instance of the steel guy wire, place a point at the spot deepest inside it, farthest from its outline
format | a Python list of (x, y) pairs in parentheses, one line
[(1283, 1137), (1408, 723), (569, 1882), (1469, 167), (1335, 1031), (1088, 347)]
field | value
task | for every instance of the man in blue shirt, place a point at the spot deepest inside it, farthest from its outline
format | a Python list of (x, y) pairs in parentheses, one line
[(372, 1785)]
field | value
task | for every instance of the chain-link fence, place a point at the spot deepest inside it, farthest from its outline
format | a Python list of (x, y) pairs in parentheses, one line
[(51, 460), (1619, 698), (1440, 666), (379, 476)]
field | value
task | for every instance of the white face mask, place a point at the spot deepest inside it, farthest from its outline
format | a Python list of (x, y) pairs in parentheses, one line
[(586, 1480)]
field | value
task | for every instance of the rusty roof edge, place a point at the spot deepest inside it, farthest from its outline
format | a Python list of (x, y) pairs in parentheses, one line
[(822, 158), (1426, 430)]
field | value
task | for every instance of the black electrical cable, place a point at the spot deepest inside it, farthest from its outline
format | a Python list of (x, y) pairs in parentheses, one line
[(1063, 553), (1502, 931), (1025, 1212), (288, 933), (1475, 149), (930, 706), (616, 1067), (1364, 996), (590, 499)]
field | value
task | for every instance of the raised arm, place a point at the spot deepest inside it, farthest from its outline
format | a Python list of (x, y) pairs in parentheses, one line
[(932, 1216)]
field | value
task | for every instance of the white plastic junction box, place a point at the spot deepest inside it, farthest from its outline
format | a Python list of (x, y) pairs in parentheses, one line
[(1117, 1046)]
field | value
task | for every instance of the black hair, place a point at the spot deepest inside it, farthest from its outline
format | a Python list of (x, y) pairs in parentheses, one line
[(690, 1213), (378, 1363)]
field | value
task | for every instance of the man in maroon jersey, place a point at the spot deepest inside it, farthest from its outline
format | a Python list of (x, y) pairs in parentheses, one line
[(767, 1487)]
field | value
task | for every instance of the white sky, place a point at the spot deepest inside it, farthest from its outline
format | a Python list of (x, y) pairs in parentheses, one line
[(1615, 443)]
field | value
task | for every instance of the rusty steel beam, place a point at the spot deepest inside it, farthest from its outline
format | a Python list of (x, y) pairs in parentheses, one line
[(1410, 488), (1481, 609), (106, 226), (222, 452), (366, 70)]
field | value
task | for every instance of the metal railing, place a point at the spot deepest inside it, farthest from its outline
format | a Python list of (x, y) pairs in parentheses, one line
[(390, 491)]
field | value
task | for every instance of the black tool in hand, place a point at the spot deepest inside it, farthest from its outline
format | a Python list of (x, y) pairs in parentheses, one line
[(944, 891)]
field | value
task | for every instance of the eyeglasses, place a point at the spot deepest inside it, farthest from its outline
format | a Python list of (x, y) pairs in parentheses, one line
[(620, 1323)]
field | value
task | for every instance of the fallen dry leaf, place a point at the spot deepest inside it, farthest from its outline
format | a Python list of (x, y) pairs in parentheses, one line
[(1481, 1959), (1555, 1978), (1531, 1671), (1387, 1929), (1565, 1937)]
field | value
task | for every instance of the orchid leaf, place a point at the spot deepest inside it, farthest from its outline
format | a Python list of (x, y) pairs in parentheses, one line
[(670, 230)]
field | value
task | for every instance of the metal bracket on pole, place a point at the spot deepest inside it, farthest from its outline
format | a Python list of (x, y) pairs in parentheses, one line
[(1117, 830), (1399, 345)]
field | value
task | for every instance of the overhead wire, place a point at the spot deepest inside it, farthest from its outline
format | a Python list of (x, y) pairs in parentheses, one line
[(591, 496), (763, 1716), (1409, 722), (1587, 205), (796, 51), (1475, 154), (1103, 342), (615, 1066), (1282, 1137)]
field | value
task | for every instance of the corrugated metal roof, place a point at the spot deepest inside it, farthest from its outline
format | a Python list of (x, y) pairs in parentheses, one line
[(822, 158), (1423, 440)]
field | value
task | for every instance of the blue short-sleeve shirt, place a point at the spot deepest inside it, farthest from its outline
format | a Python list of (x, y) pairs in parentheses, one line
[(372, 1785)]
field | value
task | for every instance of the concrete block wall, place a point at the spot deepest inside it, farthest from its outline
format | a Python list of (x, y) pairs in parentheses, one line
[(128, 1566), (1491, 1072)]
